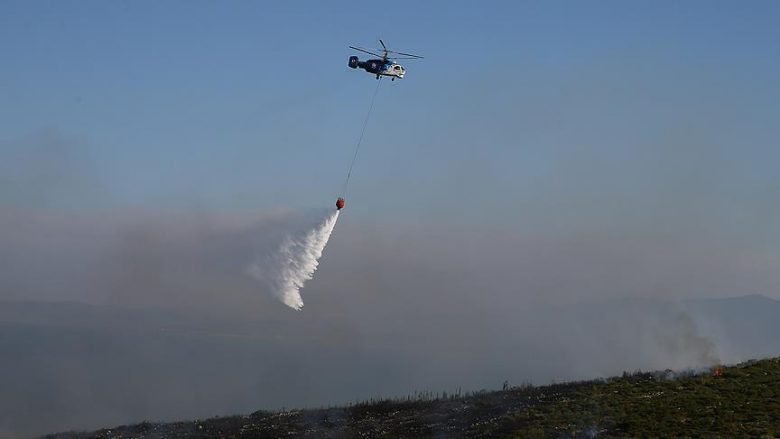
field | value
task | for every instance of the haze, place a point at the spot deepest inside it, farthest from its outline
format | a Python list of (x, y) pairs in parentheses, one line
[(557, 191)]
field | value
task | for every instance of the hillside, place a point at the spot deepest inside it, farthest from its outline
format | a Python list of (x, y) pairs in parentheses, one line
[(743, 401)]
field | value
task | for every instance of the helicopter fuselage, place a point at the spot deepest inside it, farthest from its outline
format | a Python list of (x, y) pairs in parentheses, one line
[(379, 67)]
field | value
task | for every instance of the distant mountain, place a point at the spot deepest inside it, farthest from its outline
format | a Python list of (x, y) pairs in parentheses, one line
[(744, 327), (737, 328)]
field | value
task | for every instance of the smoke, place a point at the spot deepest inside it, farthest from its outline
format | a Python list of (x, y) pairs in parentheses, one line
[(681, 340), (286, 270)]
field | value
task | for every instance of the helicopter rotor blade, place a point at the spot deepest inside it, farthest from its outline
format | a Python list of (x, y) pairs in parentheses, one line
[(365, 51), (406, 54), (384, 48), (386, 52)]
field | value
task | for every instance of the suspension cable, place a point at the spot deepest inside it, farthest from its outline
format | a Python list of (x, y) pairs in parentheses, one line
[(360, 139)]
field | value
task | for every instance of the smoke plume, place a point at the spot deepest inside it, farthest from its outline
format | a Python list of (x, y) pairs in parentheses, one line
[(286, 270)]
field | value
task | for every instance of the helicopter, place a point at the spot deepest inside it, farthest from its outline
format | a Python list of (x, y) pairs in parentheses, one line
[(382, 67)]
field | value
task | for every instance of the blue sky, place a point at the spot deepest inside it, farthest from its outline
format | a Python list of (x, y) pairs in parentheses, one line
[(543, 152), (517, 105)]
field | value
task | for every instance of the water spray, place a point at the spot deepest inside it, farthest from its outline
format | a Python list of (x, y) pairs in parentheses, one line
[(286, 270)]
